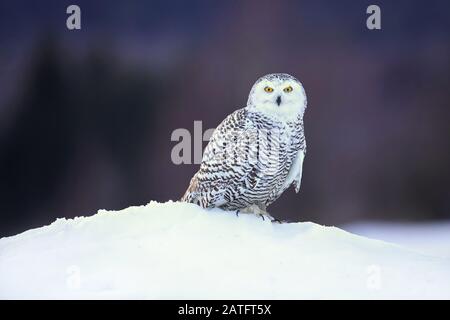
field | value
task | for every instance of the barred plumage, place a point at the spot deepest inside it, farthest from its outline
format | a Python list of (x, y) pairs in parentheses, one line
[(257, 152)]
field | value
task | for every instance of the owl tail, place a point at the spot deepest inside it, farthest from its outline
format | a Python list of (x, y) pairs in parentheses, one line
[(191, 193)]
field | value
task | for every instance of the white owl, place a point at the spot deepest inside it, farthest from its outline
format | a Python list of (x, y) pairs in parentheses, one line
[(257, 152)]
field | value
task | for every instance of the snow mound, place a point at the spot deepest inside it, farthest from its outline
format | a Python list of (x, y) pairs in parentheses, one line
[(432, 238), (179, 251)]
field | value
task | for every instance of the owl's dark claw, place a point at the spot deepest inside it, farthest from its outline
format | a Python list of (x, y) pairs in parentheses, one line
[(262, 216), (237, 213), (275, 220)]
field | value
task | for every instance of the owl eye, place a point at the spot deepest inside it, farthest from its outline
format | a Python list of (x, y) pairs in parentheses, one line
[(288, 89), (268, 89)]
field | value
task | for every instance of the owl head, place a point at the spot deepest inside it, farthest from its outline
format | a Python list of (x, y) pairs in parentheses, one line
[(278, 95)]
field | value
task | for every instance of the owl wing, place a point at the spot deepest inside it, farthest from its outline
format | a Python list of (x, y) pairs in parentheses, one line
[(297, 168), (294, 176), (228, 162)]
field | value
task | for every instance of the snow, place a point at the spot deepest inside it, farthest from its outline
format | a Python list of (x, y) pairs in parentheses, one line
[(179, 251), (429, 238)]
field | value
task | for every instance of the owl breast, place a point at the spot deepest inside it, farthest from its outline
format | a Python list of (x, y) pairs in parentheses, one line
[(272, 153)]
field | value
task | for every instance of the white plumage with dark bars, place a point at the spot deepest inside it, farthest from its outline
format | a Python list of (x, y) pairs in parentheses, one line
[(257, 152)]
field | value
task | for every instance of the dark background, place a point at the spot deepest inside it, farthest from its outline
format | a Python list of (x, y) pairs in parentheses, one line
[(86, 116)]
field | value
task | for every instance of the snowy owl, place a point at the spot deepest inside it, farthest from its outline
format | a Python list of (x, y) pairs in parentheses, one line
[(257, 152)]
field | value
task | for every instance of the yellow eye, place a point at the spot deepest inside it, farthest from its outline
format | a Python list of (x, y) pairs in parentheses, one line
[(268, 89), (288, 89)]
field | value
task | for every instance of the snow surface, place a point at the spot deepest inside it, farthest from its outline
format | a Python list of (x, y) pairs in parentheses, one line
[(429, 238), (180, 251)]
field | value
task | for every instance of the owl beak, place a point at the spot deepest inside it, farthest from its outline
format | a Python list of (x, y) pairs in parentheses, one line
[(278, 100)]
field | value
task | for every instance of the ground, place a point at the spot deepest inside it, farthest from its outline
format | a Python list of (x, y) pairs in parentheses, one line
[(180, 251)]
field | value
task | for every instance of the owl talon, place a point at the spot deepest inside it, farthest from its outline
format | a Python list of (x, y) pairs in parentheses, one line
[(237, 213), (275, 220), (262, 216)]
